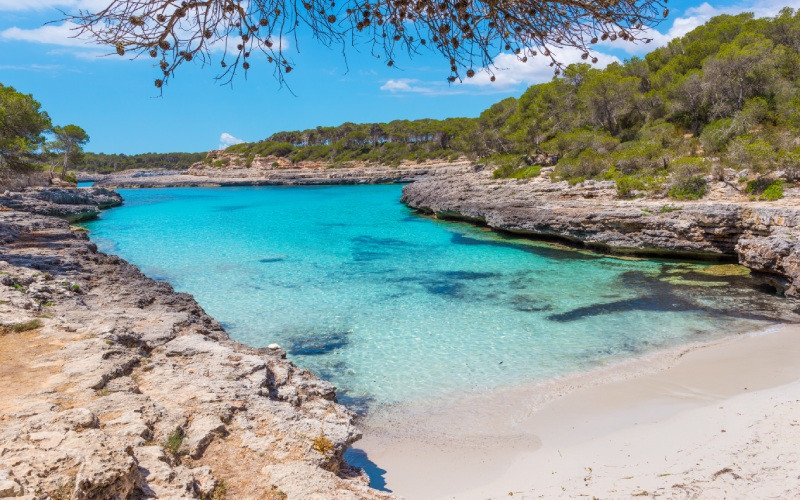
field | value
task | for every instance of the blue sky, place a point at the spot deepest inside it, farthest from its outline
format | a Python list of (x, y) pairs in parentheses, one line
[(114, 99)]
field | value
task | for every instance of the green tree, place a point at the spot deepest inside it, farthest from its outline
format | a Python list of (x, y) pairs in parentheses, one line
[(22, 128), (610, 98), (741, 70), (68, 143)]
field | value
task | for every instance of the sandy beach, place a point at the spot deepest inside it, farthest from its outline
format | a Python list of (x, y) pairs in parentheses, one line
[(701, 421)]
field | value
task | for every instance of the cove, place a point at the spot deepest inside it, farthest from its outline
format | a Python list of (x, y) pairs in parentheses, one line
[(393, 307)]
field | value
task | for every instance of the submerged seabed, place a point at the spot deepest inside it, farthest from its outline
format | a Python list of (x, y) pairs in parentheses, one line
[(393, 307)]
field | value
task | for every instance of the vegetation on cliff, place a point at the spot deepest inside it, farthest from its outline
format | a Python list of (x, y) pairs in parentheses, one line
[(724, 95), (108, 163)]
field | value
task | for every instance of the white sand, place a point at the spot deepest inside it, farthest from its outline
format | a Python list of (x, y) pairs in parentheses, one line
[(720, 420)]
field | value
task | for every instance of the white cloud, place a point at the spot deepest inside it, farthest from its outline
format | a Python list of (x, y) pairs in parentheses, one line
[(20, 5), (402, 86), (40, 68), (510, 71), (226, 139), (61, 35), (54, 34)]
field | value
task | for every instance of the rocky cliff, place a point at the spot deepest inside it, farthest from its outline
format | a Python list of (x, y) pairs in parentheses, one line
[(279, 175), (115, 386), (71, 204), (764, 236)]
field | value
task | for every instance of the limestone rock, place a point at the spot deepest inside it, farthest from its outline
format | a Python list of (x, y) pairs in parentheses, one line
[(762, 235)]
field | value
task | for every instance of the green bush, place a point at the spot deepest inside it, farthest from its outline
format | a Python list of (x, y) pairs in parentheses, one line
[(586, 165), (689, 167), (636, 156), (174, 441), (573, 142), (506, 165), (692, 188), (627, 184), (758, 186), (774, 191), (526, 172), (716, 135)]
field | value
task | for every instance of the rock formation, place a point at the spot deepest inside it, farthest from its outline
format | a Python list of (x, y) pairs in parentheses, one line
[(115, 386), (68, 203), (265, 175), (761, 235)]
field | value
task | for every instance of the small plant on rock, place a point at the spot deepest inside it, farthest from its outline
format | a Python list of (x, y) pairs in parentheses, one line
[(25, 326), (174, 441), (322, 444), (218, 493), (277, 494)]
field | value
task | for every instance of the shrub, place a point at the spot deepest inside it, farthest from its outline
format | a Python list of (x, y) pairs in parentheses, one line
[(661, 133), (506, 164), (689, 167), (26, 326), (626, 185), (774, 191), (665, 209), (636, 156), (573, 142), (219, 492), (758, 186), (322, 444), (174, 441), (692, 188), (586, 165), (526, 172), (715, 135), (756, 153)]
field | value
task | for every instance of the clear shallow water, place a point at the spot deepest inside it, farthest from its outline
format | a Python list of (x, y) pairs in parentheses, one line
[(391, 306)]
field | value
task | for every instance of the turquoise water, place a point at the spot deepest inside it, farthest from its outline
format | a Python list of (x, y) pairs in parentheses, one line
[(391, 306)]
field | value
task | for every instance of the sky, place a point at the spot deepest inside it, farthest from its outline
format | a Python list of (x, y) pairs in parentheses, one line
[(114, 100)]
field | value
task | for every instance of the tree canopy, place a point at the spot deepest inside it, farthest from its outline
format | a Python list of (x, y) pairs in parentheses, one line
[(108, 163), (22, 127), (68, 143), (466, 33)]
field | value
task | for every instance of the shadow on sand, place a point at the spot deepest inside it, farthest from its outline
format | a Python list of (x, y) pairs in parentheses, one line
[(359, 458)]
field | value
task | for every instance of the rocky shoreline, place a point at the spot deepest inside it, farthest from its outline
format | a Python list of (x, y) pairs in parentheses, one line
[(202, 175), (763, 236), (115, 386)]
